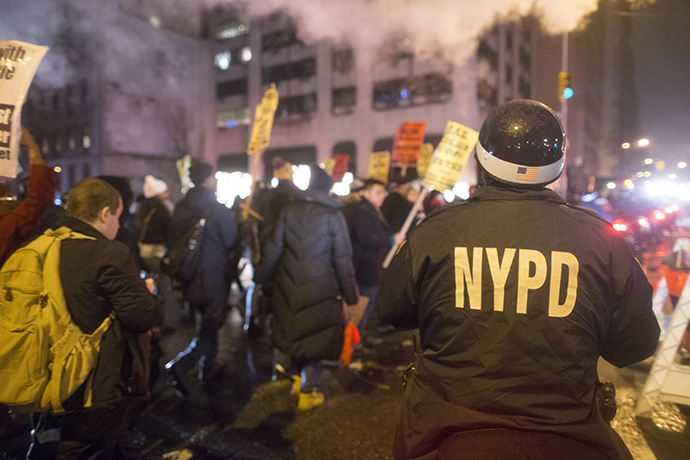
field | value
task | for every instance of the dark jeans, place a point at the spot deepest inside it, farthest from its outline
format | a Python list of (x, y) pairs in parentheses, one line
[(310, 371), (96, 434), (371, 292)]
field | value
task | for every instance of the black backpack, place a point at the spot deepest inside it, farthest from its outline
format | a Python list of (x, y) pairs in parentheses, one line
[(183, 256)]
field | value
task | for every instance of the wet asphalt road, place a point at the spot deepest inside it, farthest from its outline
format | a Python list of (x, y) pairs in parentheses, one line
[(248, 415)]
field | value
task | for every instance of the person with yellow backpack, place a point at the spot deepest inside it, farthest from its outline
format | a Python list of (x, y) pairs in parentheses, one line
[(74, 322)]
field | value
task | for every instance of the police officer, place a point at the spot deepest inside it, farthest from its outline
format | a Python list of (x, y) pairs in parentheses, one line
[(516, 294)]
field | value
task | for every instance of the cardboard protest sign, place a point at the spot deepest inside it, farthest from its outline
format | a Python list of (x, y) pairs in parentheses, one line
[(425, 155), (329, 166), (342, 162), (407, 144), (379, 165), (263, 121), (450, 156), (18, 64)]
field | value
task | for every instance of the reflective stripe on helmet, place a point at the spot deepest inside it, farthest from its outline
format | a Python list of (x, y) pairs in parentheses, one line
[(518, 174)]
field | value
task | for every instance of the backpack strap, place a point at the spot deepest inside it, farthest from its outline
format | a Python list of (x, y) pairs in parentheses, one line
[(53, 288)]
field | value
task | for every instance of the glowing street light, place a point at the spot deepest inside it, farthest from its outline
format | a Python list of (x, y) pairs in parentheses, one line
[(672, 176), (643, 142), (625, 145), (648, 161), (611, 185), (682, 164)]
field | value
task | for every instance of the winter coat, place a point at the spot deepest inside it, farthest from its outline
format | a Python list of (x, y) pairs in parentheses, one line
[(99, 277), (16, 226), (218, 236), (516, 295), (371, 239), (309, 256), (154, 222)]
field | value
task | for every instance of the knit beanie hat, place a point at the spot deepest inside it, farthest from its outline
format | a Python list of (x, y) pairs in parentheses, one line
[(319, 180), (153, 187), (199, 172)]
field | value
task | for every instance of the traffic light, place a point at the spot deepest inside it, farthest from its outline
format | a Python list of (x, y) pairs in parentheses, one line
[(564, 89)]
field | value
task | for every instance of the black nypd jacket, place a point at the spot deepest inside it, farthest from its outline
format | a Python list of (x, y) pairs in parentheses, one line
[(99, 277), (516, 295), (309, 257)]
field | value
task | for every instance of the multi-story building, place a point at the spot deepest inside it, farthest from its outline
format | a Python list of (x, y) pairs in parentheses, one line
[(337, 99), (129, 106)]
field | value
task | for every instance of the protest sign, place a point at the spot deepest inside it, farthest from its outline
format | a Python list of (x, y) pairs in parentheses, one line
[(263, 121), (329, 166), (407, 144), (342, 162), (379, 165), (425, 155), (445, 169), (18, 64), (450, 156)]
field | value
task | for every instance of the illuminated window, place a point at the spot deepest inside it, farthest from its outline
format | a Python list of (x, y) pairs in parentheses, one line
[(223, 60), (421, 89), (45, 147), (58, 145), (246, 54), (233, 118), (231, 30), (86, 137), (71, 142)]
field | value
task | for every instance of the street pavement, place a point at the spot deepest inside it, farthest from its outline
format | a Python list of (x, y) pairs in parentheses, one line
[(249, 415)]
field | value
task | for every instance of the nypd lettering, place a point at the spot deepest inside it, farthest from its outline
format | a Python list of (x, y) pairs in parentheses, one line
[(533, 271)]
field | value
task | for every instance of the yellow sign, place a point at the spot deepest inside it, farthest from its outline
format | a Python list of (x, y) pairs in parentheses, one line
[(328, 165), (450, 156), (263, 121), (183, 165), (424, 159), (379, 165)]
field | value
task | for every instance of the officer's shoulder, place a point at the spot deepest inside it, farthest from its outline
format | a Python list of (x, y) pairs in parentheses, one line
[(587, 213), (446, 209)]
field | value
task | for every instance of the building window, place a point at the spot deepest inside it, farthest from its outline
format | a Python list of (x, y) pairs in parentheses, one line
[(487, 93), (274, 41), (509, 74), (343, 61), (484, 51), (86, 171), (509, 40), (56, 101), (71, 142), (301, 69), (225, 59), (421, 89), (344, 100), (84, 90), (525, 59), (45, 147), (231, 30), (58, 144), (231, 88), (71, 176), (233, 118), (296, 107), (86, 137), (525, 89)]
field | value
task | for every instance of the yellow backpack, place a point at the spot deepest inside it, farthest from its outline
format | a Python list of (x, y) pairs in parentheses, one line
[(44, 356)]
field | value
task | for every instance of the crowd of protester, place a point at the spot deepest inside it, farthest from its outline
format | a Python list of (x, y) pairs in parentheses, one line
[(314, 256)]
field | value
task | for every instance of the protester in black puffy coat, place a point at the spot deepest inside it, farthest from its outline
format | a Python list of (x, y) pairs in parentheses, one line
[(310, 257)]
